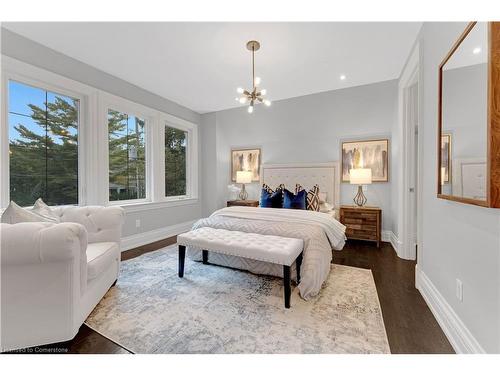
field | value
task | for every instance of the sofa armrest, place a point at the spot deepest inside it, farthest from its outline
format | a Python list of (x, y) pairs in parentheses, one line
[(103, 224), (36, 242), (43, 279)]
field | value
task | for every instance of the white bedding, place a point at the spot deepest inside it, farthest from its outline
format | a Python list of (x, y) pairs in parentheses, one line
[(320, 232), (334, 230)]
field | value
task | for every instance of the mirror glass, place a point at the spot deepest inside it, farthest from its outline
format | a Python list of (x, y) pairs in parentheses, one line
[(465, 117)]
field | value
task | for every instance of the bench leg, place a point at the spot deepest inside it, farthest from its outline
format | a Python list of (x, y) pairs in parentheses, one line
[(205, 256), (182, 256), (287, 287), (298, 264)]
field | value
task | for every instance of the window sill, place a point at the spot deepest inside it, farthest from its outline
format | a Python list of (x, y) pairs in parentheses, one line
[(145, 206)]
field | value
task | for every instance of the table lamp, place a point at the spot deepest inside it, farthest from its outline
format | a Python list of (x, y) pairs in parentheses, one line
[(360, 176), (243, 177)]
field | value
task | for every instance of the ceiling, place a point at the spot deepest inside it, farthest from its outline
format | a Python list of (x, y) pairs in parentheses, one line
[(472, 50), (200, 65)]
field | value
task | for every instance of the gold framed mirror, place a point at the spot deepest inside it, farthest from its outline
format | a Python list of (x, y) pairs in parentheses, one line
[(468, 139)]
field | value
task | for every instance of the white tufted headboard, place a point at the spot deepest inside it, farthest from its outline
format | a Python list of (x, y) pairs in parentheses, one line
[(326, 175)]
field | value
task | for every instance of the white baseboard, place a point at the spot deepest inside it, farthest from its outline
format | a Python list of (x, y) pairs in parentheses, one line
[(455, 330), (389, 236), (140, 239)]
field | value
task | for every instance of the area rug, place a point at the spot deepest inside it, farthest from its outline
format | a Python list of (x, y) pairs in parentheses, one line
[(215, 309)]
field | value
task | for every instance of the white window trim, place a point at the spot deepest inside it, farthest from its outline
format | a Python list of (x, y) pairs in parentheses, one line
[(23, 73), (111, 102), (191, 157), (93, 165)]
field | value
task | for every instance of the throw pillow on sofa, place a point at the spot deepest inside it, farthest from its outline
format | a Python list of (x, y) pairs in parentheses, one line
[(41, 208), (14, 214)]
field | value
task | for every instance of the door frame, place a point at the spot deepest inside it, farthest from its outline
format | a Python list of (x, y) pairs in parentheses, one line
[(411, 75)]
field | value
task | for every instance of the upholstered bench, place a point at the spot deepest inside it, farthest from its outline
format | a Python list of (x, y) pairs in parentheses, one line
[(266, 248)]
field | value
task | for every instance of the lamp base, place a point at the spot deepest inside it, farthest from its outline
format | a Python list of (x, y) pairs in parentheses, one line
[(360, 198), (243, 195)]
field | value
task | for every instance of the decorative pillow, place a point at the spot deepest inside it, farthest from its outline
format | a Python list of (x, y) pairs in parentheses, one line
[(269, 190), (312, 203), (270, 198), (325, 207), (322, 198), (294, 201), (42, 209), (14, 214)]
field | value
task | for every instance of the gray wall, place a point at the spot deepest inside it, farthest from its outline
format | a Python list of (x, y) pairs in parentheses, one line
[(26, 50), (458, 240), (465, 113), (303, 129)]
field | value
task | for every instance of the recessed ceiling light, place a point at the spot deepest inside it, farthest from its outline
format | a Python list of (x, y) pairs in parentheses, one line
[(342, 77), (476, 50)]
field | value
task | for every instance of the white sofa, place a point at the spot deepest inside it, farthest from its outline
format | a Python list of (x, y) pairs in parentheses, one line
[(53, 275)]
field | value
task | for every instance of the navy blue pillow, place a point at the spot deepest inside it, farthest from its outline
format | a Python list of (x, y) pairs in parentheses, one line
[(271, 200), (297, 202)]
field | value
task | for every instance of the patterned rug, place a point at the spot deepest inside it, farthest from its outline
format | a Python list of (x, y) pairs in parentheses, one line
[(215, 309)]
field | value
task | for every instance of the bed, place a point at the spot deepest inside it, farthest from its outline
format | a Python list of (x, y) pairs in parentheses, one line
[(320, 231)]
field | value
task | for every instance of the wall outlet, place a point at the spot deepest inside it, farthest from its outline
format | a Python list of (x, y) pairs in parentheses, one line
[(459, 290), (138, 223)]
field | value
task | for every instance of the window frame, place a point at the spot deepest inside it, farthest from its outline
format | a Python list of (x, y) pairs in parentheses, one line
[(191, 157), (115, 103), (93, 148), (14, 70)]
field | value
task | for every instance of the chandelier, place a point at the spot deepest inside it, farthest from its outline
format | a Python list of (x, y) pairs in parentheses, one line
[(255, 95)]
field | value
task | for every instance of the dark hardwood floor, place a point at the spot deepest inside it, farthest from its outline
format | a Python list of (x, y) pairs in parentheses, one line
[(410, 325)]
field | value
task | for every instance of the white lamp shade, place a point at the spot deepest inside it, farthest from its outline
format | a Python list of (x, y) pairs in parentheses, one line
[(360, 176), (243, 177)]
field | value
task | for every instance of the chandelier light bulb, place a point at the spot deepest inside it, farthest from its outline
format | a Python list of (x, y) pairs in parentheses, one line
[(263, 92), (267, 102), (243, 99), (257, 81), (250, 109), (239, 90)]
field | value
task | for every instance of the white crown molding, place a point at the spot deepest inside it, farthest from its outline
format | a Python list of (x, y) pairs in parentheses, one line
[(453, 327), (145, 238)]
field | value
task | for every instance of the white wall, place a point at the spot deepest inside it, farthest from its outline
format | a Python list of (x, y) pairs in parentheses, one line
[(458, 240), (28, 51), (303, 129)]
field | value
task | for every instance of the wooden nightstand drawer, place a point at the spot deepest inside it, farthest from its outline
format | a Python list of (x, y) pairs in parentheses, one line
[(362, 223), (246, 203)]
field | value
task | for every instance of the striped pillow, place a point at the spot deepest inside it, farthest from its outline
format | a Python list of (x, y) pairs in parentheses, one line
[(312, 203)]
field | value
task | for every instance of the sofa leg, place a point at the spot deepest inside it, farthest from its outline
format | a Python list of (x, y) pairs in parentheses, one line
[(114, 282)]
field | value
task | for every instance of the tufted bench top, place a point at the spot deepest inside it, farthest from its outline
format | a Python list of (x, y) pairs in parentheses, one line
[(267, 248)]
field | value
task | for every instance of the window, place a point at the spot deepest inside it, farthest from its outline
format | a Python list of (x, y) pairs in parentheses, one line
[(127, 159), (175, 162), (43, 145)]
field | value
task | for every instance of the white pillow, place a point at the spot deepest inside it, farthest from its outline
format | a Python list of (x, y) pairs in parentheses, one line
[(14, 214), (322, 197), (42, 209), (325, 207)]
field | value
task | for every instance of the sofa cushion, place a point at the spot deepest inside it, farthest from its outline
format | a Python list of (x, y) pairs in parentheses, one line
[(42, 209), (14, 214), (100, 255)]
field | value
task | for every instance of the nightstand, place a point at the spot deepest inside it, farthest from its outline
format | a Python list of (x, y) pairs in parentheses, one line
[(246, 203), (362, 223)]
